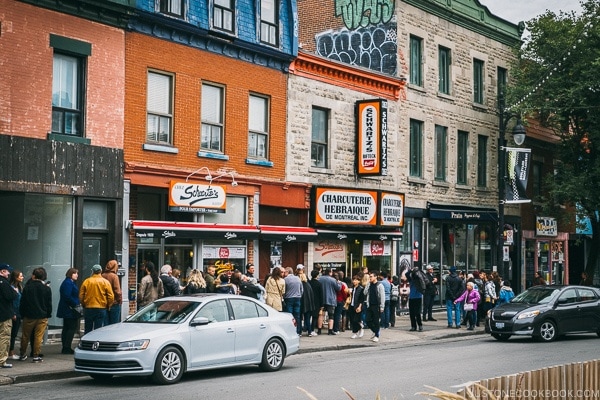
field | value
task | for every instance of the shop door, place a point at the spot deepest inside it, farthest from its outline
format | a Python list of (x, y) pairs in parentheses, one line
[(94, 252)]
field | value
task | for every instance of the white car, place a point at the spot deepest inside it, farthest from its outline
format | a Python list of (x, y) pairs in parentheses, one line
[(174, 335)]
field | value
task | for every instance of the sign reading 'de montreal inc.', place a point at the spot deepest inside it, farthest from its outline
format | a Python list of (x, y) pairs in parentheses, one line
[(197, 198), (338, 206)]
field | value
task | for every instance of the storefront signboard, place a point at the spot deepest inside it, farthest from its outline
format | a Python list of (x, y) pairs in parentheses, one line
[(330, 251), (371, 132), (377, 248), (345, 207), (392, 209), (197, 197), (546, 226)]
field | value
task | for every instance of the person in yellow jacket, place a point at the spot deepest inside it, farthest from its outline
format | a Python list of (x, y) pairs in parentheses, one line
[(96, 297)]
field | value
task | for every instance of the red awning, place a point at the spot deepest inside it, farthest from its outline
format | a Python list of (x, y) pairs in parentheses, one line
[(195, 230), (287, 233)]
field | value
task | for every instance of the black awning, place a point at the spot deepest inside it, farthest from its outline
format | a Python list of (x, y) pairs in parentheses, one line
[(461, 213), (287, 233), (195, 230), (359, 235)]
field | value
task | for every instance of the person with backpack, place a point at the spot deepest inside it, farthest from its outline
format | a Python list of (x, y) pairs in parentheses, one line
[(394, 300), (454, 288), (415, 299)]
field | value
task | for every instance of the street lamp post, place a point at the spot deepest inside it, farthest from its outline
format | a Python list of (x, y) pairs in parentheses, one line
[(519, 137)]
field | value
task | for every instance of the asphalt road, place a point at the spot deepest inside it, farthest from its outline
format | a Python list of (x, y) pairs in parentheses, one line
[(393, 372)]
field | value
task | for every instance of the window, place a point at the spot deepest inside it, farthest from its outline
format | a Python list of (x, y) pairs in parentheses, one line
[(478, 74), (482, 161), (320, 137), (258, 126), (416, 148), (416, 68), (461, 157), (502, 77), (444, 70), (172, 7), (159, 108), (211, 137), (223, 15), (269, 31), (67, 94), (440, 152)]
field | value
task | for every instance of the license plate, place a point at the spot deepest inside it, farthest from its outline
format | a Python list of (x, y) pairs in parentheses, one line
[(499, 325)]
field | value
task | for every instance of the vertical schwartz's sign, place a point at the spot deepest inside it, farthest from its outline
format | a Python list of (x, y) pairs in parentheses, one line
[(371, 137), (340, 206), (197, 198)]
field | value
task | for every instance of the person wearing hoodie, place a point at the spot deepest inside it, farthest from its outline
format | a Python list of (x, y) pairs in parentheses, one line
[(506, 293), (471, 298), (113, 314), (35, 308)]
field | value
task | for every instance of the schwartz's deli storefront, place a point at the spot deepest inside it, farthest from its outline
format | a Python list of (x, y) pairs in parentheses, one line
[(355, 229)]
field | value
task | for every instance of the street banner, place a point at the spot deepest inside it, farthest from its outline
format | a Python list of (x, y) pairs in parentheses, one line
[(517, 162)]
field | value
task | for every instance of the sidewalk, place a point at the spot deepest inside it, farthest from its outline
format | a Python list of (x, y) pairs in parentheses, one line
[(60, 366)]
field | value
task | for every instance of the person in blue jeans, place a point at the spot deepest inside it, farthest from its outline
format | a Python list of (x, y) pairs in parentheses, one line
[(454, 288), (293, 296), (96, 296)]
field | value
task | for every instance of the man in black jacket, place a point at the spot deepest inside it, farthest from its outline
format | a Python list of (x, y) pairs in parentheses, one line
[(170, 284), (429, 295), (7, 296), (35, 308), (454, 288)]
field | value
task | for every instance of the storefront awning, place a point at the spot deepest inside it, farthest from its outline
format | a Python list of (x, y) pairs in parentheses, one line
[(359, 235), (461, 213), (287, 233), (195, 230)]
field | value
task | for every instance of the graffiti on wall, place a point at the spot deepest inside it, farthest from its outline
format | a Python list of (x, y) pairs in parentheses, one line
[(373, 47), (362, 13)]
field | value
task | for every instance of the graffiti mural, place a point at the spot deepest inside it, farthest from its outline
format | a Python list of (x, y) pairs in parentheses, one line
[(374, 47), (362, 13)]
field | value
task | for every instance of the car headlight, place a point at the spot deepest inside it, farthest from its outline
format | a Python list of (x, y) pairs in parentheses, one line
[(141, 344), (529, 314)]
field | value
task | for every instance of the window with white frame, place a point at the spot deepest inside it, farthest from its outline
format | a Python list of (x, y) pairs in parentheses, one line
[(67, 96), (258, 127), (478, 74), (211, 136), (269, 21), (172, 7), (223, 14), (159, 109), (441, 145), (320, 137)]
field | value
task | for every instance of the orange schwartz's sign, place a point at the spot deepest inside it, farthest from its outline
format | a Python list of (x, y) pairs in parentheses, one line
[(198, 198), (371, 137), (339, 206)]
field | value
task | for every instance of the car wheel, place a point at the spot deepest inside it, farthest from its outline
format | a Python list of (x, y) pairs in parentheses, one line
[(548, 331), (503, 337), (273, 356), (101, 377), (168, 367)]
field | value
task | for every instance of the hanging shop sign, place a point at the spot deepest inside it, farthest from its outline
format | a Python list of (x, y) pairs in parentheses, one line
[(197, 197), (371, 137), (546, 226), (392, 209), (345, 207)]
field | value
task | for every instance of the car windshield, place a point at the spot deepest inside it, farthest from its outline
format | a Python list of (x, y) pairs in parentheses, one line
[(165, 312), (536, 296)]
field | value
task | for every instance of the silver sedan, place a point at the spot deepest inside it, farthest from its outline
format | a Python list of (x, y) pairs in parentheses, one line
[(189, 333)]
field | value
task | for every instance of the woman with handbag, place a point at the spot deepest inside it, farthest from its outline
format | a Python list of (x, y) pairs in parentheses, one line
[(471, 298), (275, 288), (69, 309)]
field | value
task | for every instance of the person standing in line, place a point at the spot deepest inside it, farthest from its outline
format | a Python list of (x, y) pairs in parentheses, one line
[(330, 287), (454, 288), (7, 298), (340, 300), (275, 288), (113, 314), (471, 298), (16, 282), (387, 289), (170, 284), (307, 304), (209, 277), (317, 315), (415, 299), (429, 295), (67, 309), (506, 293), (355, 308), (195, 283), (151, 287), (375, 301), (96, 297), (35, 308), (490, 294), (394, 299)]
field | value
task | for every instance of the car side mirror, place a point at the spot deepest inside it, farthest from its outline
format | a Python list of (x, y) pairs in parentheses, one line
[(560, 302), (199, 321)]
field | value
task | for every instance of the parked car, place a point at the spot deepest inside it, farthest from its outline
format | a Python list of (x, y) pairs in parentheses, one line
[(174, 335), (547, 312)]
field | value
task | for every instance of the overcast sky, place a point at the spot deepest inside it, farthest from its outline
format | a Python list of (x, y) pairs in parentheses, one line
[(524, 10)]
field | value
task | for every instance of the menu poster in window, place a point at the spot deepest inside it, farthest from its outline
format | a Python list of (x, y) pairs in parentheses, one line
[(224, 252), (377, 248), (330, 251)]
